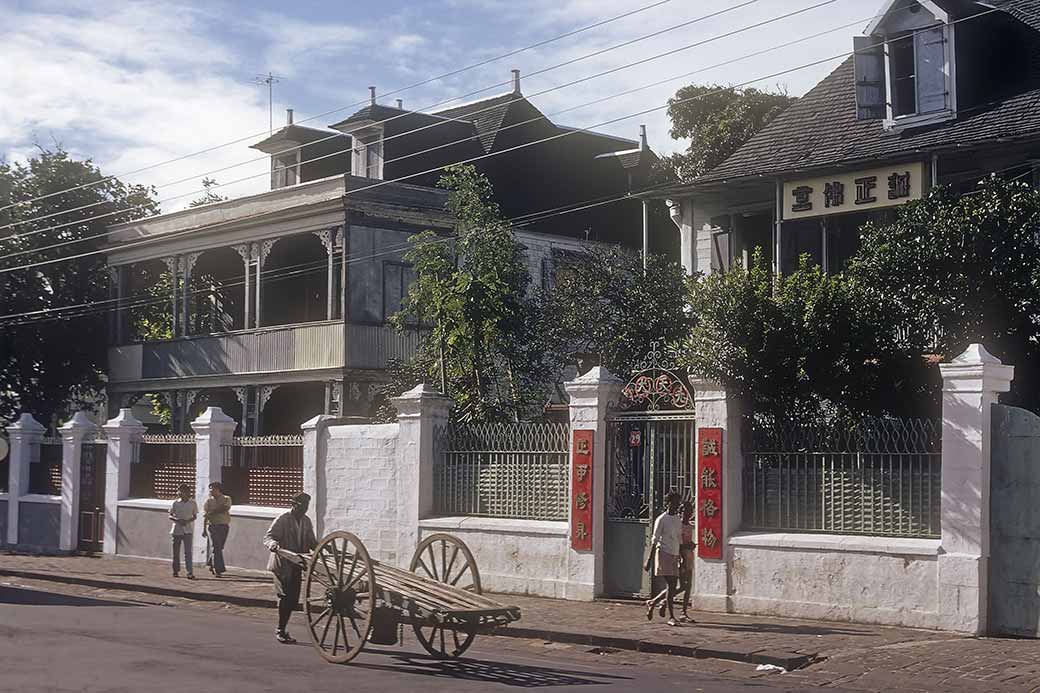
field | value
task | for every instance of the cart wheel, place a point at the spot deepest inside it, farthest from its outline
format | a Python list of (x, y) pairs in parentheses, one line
[(341, 586), (445, 558)]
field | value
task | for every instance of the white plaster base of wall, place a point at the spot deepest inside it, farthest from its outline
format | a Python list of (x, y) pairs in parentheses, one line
[(515, 556)]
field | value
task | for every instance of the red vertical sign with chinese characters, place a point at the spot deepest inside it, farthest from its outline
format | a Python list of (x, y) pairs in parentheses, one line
[(709, 493), (581, 491)]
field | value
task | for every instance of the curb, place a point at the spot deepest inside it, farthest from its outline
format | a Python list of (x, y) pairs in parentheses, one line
[(788, 660)]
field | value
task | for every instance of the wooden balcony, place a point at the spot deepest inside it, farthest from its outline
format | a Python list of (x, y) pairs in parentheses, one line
[(301, 347)]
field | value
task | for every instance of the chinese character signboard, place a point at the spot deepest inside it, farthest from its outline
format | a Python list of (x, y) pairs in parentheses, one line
[(854, 191), (709, 493), (581, 491)]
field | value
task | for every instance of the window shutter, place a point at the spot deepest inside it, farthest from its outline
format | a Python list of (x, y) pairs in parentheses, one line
[(932, 88), (870, 77)]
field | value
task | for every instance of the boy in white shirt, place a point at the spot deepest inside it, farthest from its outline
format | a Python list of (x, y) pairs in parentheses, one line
[(665, 548), (182, 515)]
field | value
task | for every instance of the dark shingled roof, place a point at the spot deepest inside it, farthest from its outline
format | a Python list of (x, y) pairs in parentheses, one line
[(1025, 11), (378, 112), (487, 116), (821, 130)]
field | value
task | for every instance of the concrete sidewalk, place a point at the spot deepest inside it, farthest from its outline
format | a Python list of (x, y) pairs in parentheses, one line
[(621, 625)]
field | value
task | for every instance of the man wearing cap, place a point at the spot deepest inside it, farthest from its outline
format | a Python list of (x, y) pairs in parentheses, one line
[(291, 531)]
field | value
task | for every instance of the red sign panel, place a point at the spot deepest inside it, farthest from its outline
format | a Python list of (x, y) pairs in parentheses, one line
[(581, 491), (709, 493)]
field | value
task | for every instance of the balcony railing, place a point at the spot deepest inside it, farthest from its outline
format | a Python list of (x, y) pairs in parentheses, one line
[(309, 346)]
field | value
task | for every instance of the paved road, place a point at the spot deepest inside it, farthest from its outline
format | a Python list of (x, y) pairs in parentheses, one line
[(60, 642)]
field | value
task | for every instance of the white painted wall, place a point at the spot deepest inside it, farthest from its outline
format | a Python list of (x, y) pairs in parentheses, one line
[(836, 578), (513, 556)]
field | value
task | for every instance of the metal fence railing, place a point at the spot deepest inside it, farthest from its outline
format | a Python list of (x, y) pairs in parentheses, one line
[(263, 470), (502, 470), (45, 472), (161, 463), (876, 476)]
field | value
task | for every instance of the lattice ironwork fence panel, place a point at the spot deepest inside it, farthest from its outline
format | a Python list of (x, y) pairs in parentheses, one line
[(263, 470), (45, 473), (876, 476), (161, 464), (502, 470)]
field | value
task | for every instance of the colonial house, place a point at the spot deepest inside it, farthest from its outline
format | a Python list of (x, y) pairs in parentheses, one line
[(936, 92), (274, 306)]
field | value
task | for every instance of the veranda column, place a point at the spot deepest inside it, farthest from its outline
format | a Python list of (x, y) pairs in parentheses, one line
[(314, 454), (213, 429), (245, 250), (420, 412), (589, 396), (328, 239), (715, 408), (121, 432), (72, 435), (971, 385), (24, 435)]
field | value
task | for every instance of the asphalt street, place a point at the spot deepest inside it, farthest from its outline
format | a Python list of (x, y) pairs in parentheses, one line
[(60, 642)]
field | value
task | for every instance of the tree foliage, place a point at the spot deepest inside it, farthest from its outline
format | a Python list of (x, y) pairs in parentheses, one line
[(717, 120), (53, 361), (603, 305), (958, 270), (811, 345), (472, 292), (208, 196)]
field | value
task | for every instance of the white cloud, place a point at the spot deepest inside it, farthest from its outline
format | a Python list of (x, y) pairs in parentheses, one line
[(296, 46)]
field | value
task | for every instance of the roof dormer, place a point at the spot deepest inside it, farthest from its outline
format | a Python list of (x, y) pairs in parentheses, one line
[(906, 66)]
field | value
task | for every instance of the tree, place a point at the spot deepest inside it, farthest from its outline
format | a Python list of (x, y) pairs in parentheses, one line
[(603, 304), (965, 269), (208, 197), (717, 120), (471, 290), (814, 345), (53, 362)]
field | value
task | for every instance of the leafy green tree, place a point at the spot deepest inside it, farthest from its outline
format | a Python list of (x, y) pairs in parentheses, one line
[(814, 345), (717, 120), (53, 362), (208, 197), (471, 290), (602, 305), (958, 270)]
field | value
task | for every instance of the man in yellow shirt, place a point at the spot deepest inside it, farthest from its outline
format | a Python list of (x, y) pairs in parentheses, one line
[(217, 514)]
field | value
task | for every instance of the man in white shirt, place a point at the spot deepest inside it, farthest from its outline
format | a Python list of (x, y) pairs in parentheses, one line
[(182, 515), (665, 548)]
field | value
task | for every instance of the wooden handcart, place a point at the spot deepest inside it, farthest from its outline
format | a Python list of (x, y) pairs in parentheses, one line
[(350, 599)]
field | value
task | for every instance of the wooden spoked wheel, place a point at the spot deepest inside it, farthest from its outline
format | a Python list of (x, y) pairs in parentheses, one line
[(339, 599), (444, 558)]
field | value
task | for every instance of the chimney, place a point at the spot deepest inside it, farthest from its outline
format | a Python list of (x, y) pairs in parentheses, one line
[(372, 95), (288, 116), (400, 105), (642, 139), (516, 82)]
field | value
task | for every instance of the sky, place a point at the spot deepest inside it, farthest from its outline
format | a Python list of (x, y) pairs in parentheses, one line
[(133, 84)]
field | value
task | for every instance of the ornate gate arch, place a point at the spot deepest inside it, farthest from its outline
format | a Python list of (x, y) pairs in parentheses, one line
[(651, 452)]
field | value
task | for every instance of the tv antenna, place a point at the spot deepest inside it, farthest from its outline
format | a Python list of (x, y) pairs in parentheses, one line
[(269, 79)]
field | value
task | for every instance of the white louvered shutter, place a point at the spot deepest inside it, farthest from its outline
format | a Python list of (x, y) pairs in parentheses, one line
[(932, 85)]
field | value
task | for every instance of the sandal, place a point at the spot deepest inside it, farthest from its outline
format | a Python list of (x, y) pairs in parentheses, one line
[(661, 609), (649, 610), (672, 622)]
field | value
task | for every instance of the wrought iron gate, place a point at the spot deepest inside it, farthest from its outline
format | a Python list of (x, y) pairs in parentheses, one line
[(92, 495), (651, 451)]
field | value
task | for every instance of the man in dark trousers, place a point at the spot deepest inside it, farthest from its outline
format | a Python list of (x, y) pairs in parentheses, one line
[(291, 531)]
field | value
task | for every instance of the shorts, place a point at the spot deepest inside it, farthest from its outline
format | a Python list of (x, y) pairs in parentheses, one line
[(666, 564), (287, 584)]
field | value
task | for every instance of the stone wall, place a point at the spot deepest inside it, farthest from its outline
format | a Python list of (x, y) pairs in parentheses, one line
[(39, 524), (245, 544), (3, 523), (144, 529)]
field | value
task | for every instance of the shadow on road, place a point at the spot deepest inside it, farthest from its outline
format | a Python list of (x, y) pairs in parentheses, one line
[(519, 675), (24, 597)]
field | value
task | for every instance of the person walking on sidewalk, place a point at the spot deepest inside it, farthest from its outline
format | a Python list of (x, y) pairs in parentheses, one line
[(686, 550), (664, 556), (291, 531), (216, 512), (182, 514)]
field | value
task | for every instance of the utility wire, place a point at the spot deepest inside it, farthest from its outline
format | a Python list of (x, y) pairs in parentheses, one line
[(468, 138), (438, 123), (399, 90)]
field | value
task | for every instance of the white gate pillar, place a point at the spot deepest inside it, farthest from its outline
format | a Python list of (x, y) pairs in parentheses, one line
[(25, 435), (971, 385), (121, 432), (213, 429), (589, 396), (72, 435), (716, 408), (420, 412), (315, 440)]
